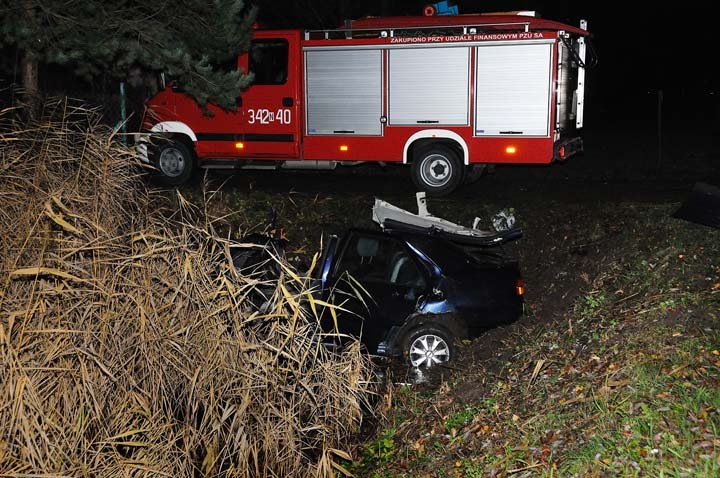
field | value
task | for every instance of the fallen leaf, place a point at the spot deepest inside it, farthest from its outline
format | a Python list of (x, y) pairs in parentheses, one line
[(703, 444), (538, 366), (617, 383), (341, 453), (43, 271)]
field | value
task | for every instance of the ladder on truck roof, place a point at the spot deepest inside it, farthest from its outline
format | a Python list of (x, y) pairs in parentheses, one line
[(378, 27), (349, 32)]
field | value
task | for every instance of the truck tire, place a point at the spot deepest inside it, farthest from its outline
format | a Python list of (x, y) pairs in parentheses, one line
[(175, 162), (428, 346), (437, 170)]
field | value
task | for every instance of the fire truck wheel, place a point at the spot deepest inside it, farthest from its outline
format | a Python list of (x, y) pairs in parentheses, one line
[(174, 161), (437, 170)]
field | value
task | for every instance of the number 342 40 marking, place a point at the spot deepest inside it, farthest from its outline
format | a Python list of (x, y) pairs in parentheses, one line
[(265, 116)]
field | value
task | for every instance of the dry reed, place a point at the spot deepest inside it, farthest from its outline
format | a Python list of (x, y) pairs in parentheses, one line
[(127, 347)]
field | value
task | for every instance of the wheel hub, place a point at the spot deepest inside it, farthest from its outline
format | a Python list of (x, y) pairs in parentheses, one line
[(172, 162), (436, 170), (439, 169), (428, 350)]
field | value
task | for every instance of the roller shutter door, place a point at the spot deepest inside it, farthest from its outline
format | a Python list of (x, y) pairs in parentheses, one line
[(429, 86), (343, 92), (512, 91)]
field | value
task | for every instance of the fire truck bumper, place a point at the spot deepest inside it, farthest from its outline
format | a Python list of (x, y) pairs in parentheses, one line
[(141, 147), (567, 147)]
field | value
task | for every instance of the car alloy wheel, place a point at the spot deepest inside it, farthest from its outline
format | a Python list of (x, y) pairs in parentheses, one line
[(428, 350)]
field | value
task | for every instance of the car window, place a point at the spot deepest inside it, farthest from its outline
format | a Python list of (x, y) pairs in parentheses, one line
[(269, 61), (380, 260)]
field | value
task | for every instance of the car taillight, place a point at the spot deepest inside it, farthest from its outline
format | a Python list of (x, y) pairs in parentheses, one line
[(520, 287)]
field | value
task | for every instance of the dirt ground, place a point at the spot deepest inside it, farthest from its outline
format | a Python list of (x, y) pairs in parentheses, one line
[(571, 216), (583, 229)]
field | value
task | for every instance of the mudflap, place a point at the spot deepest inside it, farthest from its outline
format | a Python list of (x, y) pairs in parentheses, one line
[(702, 206)]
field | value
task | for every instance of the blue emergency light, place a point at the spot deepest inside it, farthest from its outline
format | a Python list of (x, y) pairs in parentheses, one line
[(440, 8)]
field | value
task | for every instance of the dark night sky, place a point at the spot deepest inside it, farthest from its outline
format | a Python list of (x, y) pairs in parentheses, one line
[(641, 46)]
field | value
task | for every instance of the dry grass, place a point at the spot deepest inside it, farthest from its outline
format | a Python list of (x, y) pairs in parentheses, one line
[(126, 345)]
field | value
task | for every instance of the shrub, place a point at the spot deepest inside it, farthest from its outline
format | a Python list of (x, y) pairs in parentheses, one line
[(126, 344)]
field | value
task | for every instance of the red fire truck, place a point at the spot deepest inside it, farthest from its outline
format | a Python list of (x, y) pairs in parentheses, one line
[(445, 95)]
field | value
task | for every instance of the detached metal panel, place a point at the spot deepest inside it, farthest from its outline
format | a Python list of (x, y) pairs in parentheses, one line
[(512, 90), (343, 92), (429, 86)]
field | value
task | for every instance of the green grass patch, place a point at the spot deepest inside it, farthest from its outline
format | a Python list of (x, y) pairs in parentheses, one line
[(626, 384)]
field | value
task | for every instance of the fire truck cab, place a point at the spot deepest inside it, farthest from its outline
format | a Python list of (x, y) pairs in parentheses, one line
[(446, 95)]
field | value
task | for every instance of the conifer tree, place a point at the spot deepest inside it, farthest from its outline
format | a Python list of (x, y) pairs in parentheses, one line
[(190, 40)]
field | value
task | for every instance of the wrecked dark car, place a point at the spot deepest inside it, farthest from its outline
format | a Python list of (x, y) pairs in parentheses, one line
[(419, 284)]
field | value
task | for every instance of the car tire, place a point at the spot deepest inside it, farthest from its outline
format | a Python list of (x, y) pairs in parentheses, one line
[(174, 160), (428, 346), (437, 170)]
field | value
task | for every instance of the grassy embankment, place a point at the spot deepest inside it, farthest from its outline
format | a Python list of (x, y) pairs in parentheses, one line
[(626, 382), (616, 370)]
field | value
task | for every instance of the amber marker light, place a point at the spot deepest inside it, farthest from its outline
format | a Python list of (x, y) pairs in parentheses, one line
[(344, 147), (520, 287), (510, 150), (239, 145)]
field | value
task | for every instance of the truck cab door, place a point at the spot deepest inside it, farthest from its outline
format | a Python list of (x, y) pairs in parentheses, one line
[(271, 105)]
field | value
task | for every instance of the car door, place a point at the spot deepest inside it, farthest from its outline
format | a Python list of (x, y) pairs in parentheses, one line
[(379, 281)]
